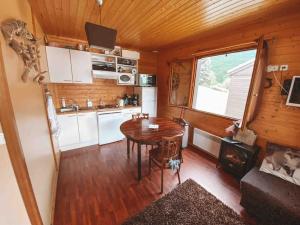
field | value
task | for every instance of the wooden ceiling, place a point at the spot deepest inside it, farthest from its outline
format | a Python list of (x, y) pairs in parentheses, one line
[(151, 24)]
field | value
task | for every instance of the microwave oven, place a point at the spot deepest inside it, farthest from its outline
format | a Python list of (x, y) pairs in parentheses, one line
[(126, 79), (146, 80)]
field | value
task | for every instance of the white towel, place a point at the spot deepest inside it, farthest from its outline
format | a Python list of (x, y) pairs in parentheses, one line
[(54, 124)]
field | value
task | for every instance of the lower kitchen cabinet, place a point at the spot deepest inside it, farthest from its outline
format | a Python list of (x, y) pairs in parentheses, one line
[(77, 130), (88, 127), (69, 134)]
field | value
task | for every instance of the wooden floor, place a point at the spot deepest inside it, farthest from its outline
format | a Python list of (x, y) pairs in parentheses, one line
[(97, 185)]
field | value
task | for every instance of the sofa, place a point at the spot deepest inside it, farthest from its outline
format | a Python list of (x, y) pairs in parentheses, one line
[(270, 199)]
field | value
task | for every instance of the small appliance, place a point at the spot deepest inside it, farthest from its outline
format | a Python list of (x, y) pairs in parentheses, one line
[(126, 79), (146, 80)]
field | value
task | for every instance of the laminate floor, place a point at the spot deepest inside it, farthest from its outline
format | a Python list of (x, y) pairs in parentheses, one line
[(97, 185)]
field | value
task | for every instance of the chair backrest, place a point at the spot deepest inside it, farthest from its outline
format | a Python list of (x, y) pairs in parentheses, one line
[(180, 121), (170, 147), (140, 116)]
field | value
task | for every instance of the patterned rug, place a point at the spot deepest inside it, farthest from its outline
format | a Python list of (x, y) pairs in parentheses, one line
[(187, 204)]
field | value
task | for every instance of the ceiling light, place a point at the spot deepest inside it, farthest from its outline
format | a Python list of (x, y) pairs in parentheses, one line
[(99, 2)]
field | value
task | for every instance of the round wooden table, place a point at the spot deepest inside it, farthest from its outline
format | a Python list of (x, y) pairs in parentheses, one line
[(137, 130)]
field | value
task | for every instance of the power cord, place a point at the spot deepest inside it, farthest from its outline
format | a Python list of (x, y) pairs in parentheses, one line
[(279, 83)]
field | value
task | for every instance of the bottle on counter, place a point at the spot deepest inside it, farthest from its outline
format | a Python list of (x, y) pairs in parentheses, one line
[(125, 99), (63, 102)]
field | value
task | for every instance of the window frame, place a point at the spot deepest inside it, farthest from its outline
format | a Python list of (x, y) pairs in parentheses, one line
[(191, 86), (221, 51)]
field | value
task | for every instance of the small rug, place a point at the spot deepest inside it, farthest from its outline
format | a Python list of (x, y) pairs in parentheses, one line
[(187, 204)]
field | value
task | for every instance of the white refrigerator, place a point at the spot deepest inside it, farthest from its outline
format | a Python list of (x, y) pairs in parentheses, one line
[(147, 99)]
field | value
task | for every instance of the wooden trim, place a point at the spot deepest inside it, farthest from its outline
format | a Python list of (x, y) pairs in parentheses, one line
[(192, 84), (228, 49), (15, 150), (252, 83)]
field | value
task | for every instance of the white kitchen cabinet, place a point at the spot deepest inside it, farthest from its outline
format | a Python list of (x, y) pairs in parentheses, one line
[(59, 65), (69, 134), (81, 63), (88, 127), (77, 130)]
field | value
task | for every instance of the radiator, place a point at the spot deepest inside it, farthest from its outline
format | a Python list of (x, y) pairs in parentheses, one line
[(207, 142)]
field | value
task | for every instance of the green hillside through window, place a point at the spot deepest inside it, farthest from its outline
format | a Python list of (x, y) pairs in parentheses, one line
[(222, 63)]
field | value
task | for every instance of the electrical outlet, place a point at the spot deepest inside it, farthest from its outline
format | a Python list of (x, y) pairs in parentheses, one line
[(272, 68), (283, 68)]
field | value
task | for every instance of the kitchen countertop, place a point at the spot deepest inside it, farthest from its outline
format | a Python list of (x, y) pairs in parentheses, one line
[(85, 110)]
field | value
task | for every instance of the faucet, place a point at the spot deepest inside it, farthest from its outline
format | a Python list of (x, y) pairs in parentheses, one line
[(74, 105)]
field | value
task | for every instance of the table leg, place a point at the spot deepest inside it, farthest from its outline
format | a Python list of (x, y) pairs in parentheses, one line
[(128, 148), (139, 162)]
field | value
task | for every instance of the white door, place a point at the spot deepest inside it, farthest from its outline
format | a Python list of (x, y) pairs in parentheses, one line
[(109, 127), (88, 127), (59, 65), (81, 66), (69, 134)]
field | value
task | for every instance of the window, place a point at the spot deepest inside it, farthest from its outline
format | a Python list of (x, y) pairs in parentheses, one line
[(222, 83)]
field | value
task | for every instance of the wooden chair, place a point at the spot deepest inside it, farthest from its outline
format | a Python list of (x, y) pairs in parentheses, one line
[(181, 122), (169, 149), (139, 116)]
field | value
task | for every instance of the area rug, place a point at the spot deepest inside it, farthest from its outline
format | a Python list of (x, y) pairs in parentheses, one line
[(187, 204)]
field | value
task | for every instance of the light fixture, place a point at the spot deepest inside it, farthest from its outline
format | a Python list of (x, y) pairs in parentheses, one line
[(99, 2)]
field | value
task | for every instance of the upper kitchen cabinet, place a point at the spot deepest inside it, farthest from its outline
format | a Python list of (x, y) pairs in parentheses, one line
[(59, 65), (68, 66), (81, 63)]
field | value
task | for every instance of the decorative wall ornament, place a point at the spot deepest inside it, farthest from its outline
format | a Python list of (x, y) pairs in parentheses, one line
[(25, 45), (180, 80)]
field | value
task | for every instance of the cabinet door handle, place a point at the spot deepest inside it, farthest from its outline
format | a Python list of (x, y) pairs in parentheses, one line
[(78, 81), (72, 116), (68, 80)]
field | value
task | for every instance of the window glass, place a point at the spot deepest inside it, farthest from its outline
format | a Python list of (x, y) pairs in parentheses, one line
[(222, 83)]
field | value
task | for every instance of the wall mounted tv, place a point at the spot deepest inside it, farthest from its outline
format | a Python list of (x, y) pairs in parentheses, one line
[(100, 37), (294, 93)]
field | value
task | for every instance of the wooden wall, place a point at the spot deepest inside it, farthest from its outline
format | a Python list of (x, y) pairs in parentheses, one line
[(106, 90), (275, 122)]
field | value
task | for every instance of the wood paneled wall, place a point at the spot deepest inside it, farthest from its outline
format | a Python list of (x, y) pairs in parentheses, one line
[(106, 90), (275, 122)]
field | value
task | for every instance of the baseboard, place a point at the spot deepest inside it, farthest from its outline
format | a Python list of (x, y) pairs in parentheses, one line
[(79, 145)]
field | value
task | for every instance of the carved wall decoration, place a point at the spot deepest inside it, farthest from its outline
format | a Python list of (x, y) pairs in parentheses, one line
[(180, 79), (26, 46)]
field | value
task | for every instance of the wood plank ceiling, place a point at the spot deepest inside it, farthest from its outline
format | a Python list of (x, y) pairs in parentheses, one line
[(151, 24)]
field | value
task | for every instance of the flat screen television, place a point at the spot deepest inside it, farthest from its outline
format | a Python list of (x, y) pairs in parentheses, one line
[(294, 93), (100, 37)]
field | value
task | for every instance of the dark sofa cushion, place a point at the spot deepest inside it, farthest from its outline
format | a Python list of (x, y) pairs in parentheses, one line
[(270, 198)]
